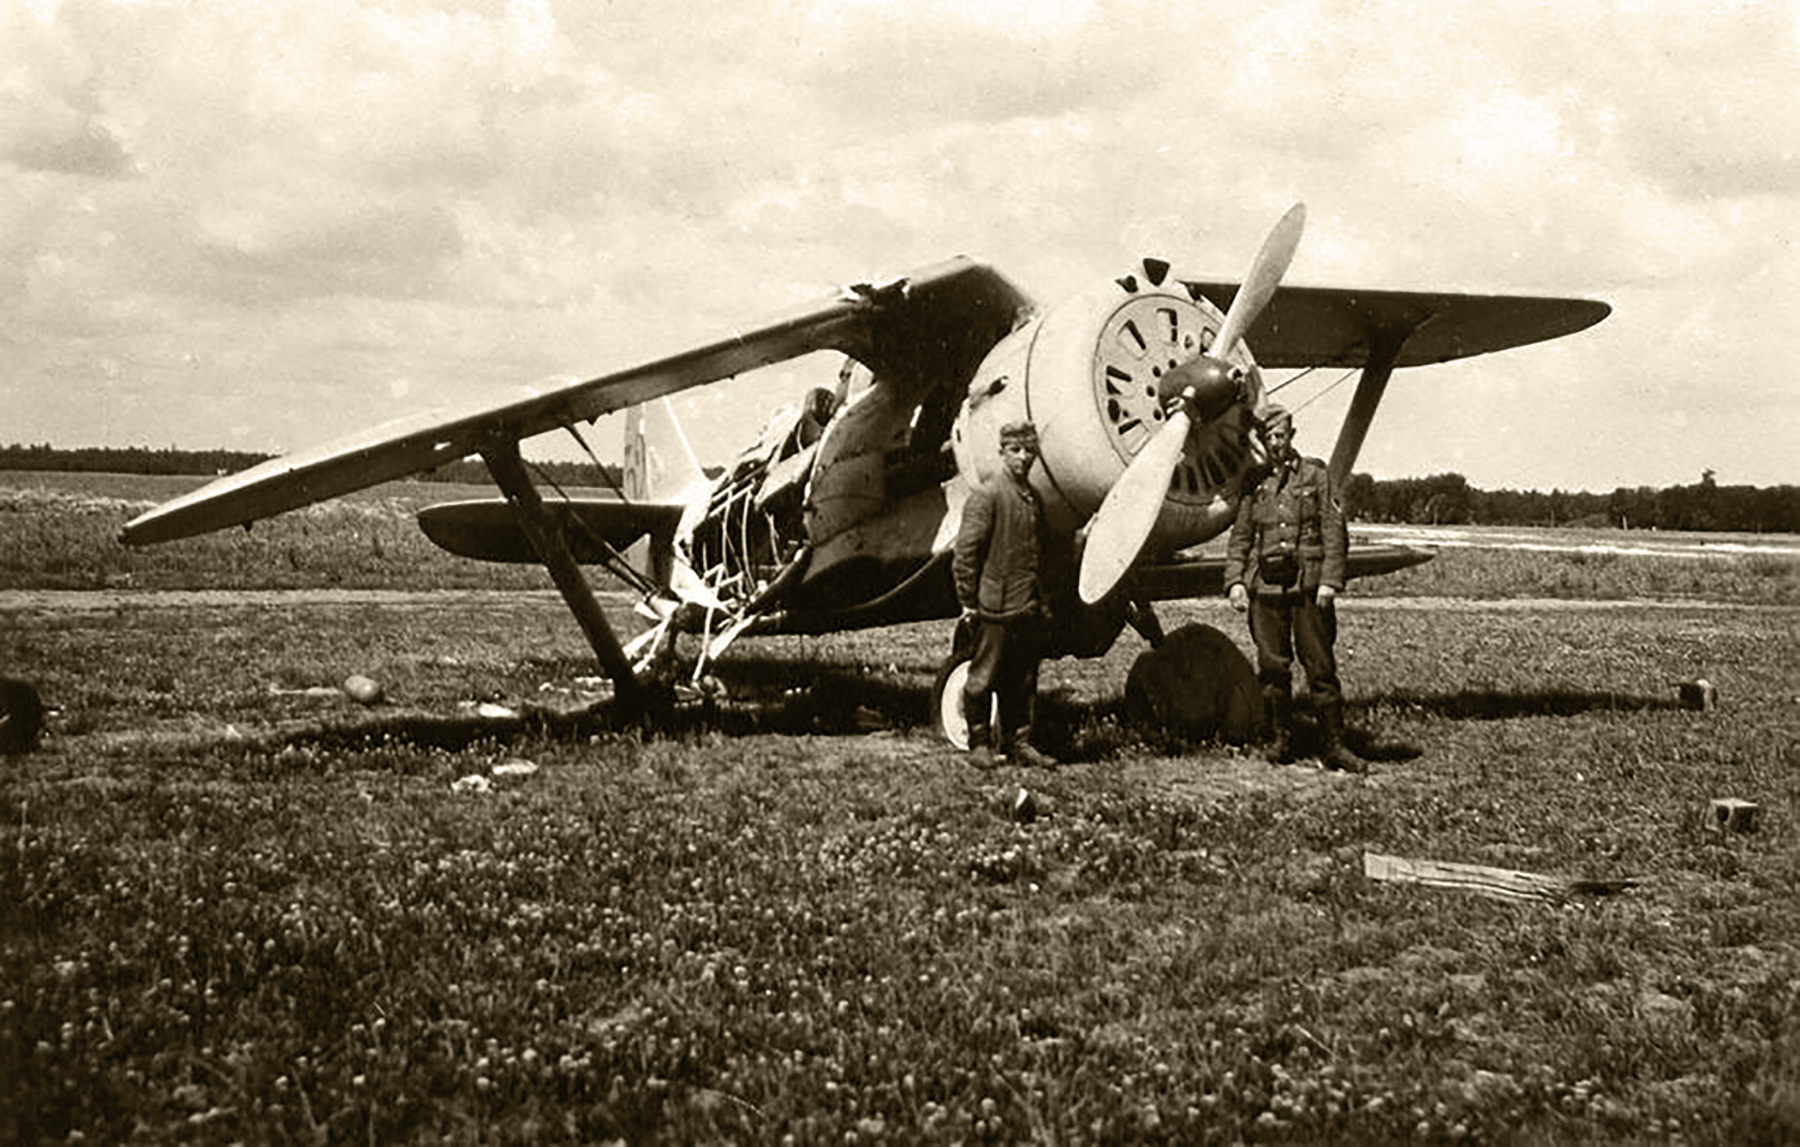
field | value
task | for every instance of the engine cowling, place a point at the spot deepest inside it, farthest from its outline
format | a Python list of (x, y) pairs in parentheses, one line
[(1090, 373)]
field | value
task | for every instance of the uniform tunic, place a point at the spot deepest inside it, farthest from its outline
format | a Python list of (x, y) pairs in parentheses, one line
[(997, 565), (1291, 518), (999, 549), (1292, 513)]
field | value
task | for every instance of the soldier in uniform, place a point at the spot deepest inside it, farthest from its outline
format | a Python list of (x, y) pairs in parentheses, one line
[(1293, 523), (998, 566)]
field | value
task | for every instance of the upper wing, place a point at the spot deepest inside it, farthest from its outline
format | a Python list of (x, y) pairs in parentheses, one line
[(1333, 326), (949, 308)]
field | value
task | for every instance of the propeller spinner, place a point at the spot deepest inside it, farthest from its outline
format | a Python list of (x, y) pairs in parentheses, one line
[(1204, 387)]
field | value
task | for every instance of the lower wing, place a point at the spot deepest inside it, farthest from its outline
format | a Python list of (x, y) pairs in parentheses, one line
[(1205, 576)]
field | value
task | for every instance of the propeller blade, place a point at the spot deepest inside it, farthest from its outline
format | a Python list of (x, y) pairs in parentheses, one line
[(1123, 523), (1259, 285)]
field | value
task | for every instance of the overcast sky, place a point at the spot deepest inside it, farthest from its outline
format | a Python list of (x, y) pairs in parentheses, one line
[(258, 225)]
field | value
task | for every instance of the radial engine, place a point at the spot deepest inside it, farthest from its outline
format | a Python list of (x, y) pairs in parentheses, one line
[(1097, 375)]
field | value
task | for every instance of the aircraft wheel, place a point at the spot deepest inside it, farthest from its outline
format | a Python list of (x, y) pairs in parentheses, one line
[(946, 691), (1198, 684), (947, 707), (946, 703)]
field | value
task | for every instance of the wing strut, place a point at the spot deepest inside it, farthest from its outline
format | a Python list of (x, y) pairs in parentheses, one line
[(1372, 384), (504, 463)]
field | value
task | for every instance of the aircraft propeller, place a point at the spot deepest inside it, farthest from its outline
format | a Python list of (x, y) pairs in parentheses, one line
[(1208, 385)]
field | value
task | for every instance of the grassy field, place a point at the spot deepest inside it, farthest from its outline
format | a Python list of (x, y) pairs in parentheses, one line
[(60, 532), (237, 907)]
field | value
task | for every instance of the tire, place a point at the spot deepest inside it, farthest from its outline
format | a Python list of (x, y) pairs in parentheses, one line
[(946, 702), (1197, 684)]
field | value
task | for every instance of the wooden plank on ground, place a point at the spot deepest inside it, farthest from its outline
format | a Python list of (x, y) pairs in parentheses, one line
[(1500, 883)]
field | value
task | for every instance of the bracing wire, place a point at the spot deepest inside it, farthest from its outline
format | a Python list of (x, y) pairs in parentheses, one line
[(614, 561), (1342, 379), (1287, 382), (605, 474)]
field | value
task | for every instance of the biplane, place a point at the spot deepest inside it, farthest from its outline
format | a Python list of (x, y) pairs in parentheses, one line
[(842, 513)]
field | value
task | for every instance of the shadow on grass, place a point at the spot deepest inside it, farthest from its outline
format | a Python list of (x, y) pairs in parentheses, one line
[(752, 697), (749, 696), (1500, 705), (775, 696)]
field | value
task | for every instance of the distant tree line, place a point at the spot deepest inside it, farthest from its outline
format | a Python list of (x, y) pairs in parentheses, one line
[(1448, 499), (125, 460), (1442, 499), (168, 460)]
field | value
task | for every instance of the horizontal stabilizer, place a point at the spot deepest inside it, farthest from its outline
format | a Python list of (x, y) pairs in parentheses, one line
[(488, 530)]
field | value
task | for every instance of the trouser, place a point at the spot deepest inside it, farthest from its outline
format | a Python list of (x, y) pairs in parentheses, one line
[(1284, 623), (1003, 665)]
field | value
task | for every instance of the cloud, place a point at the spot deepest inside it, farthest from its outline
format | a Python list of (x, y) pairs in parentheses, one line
[(340, 245), (1699, 98), (281, 208), (50, 118)]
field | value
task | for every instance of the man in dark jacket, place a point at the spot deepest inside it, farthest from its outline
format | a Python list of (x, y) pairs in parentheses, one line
[(998, 564), (1293, 523)]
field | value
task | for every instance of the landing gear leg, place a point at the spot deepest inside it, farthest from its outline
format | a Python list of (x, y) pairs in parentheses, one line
[(1143, 619), (552, 548)]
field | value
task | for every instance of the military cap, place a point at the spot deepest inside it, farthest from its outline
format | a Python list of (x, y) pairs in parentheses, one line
[(1025, 432), (1273, 416)]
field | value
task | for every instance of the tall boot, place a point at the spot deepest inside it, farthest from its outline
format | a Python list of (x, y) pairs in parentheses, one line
[(1023, 753), (1337, 754), (1279, 705), (981, 751)]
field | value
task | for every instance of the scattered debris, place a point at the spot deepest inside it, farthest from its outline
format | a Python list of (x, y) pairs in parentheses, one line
[(1701, 694), (489, 710), (1729, 814), (363, 690), (707, 690), (584, 691), (1501, 883), (1024, 807), (358, 687), (319, 691), (512, 767)]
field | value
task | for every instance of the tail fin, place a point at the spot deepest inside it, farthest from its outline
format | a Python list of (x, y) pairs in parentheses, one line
[(651, 473), (648, 477), (636, 485)]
